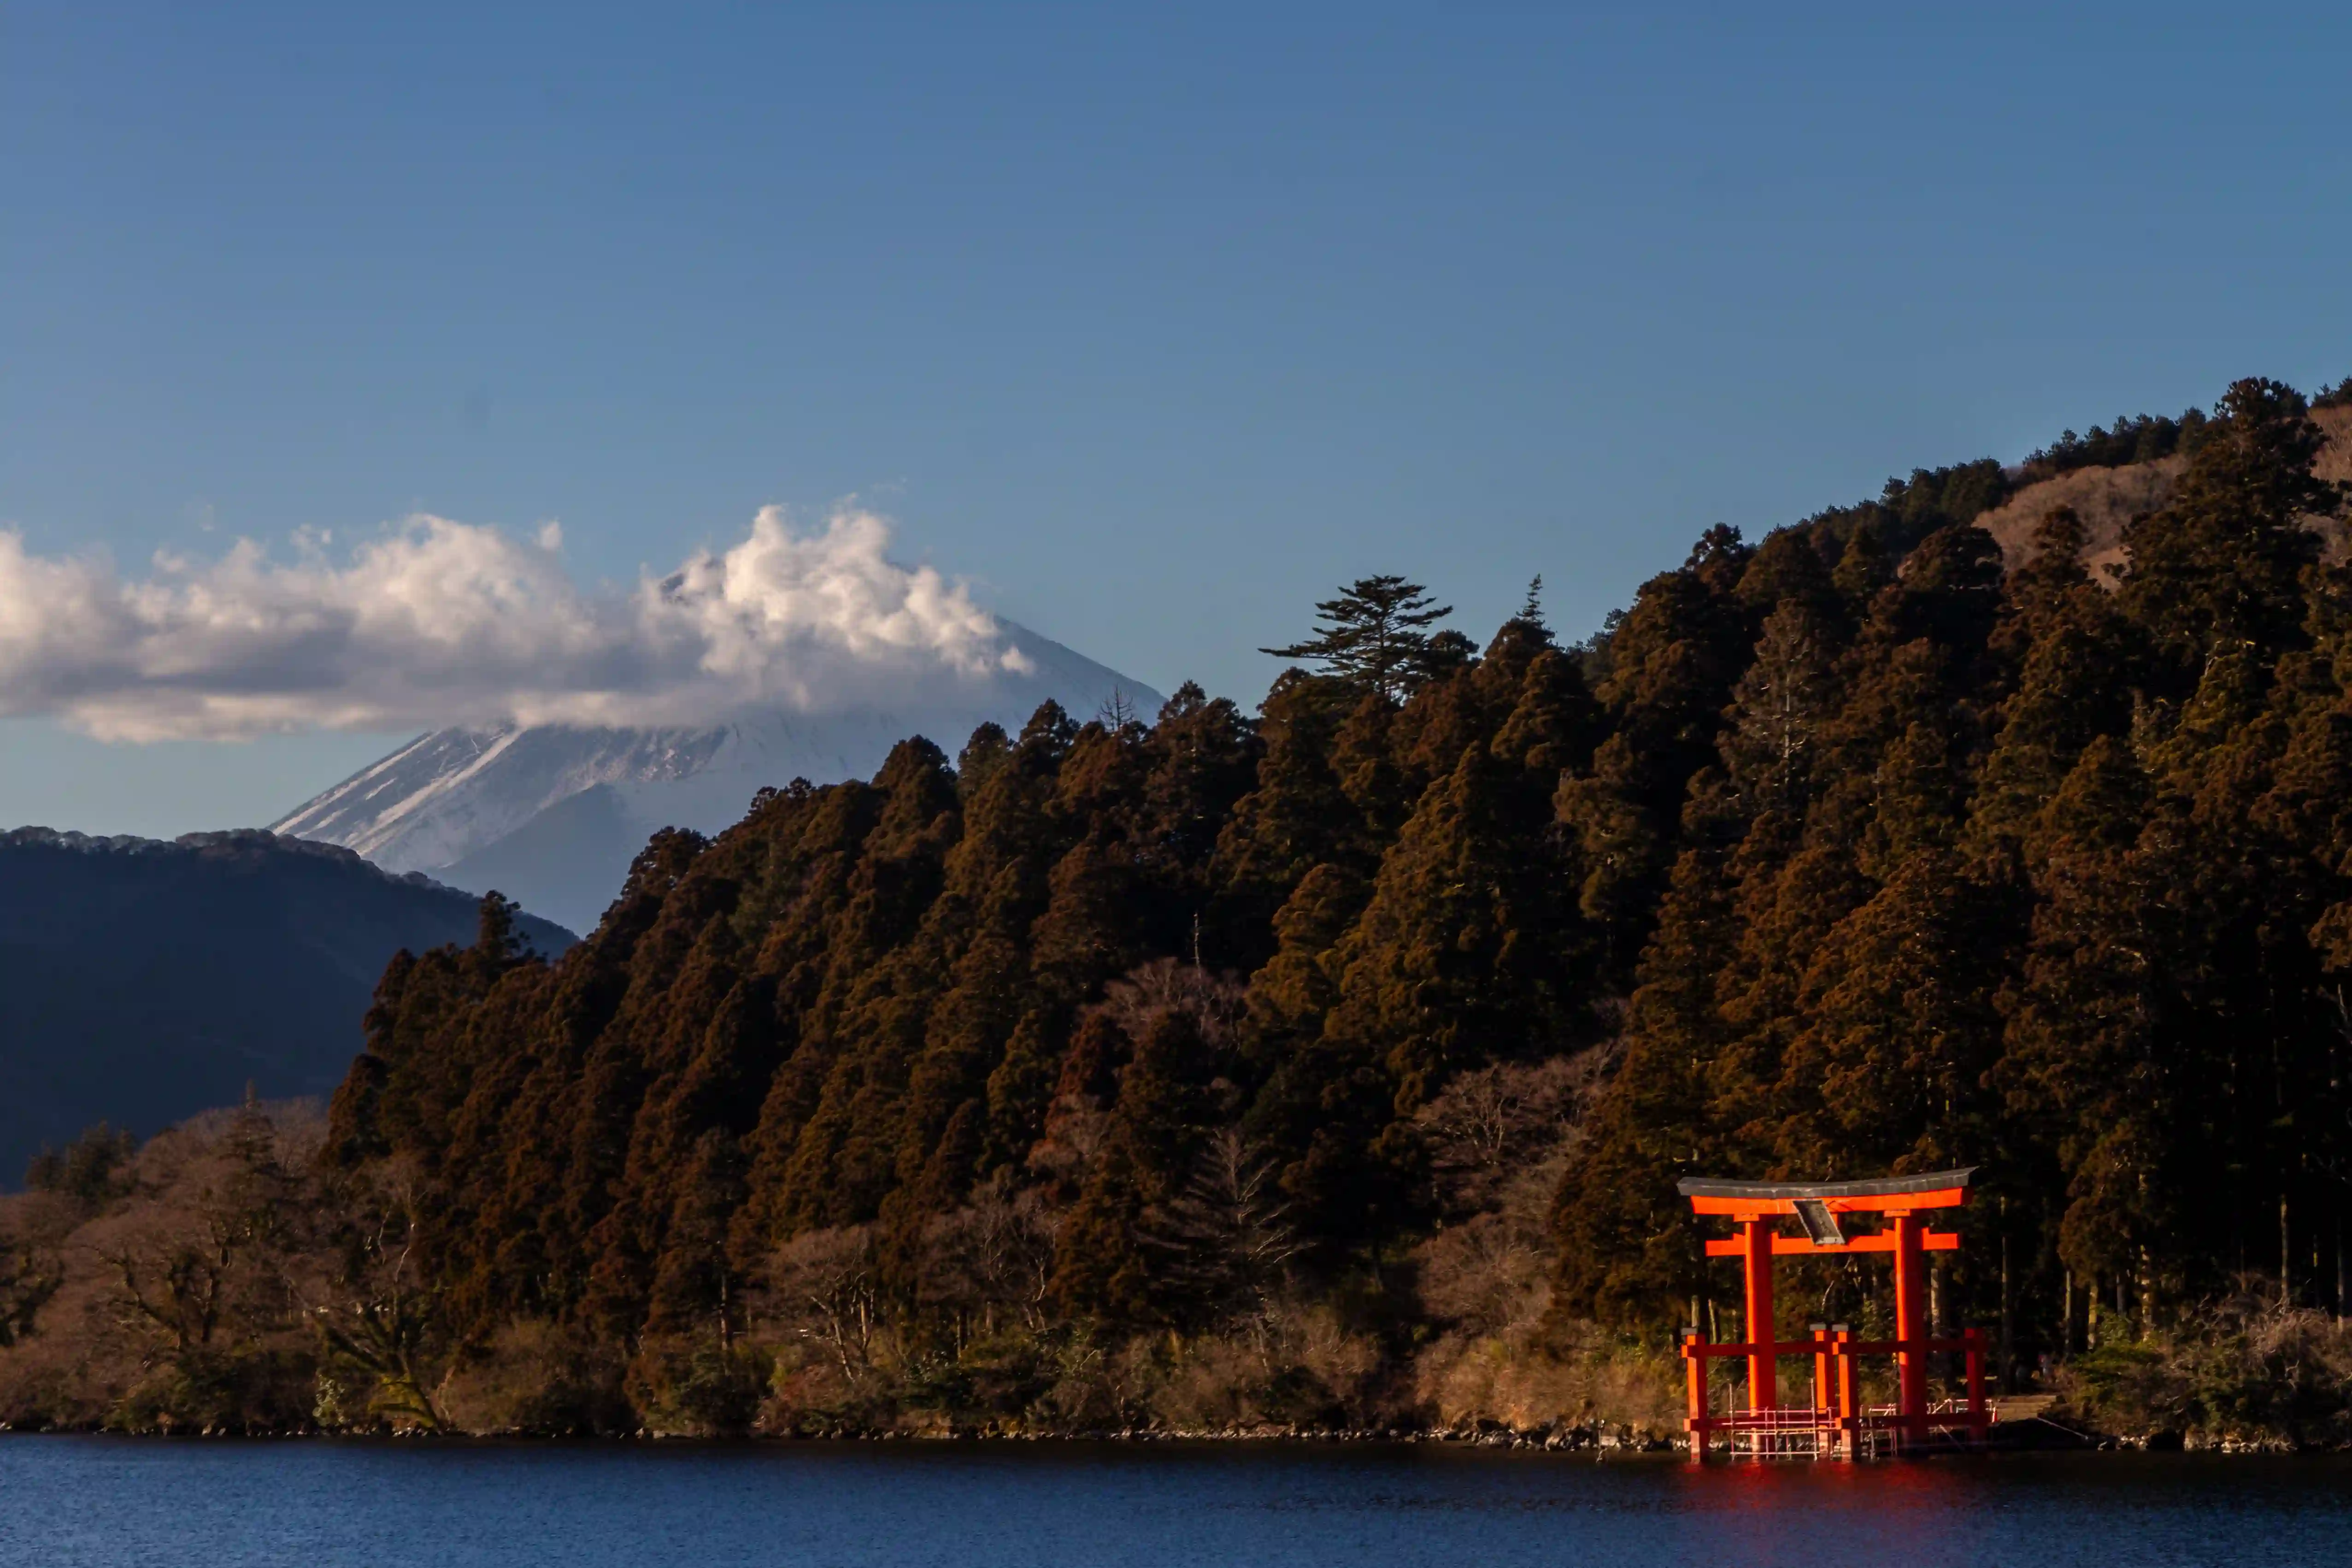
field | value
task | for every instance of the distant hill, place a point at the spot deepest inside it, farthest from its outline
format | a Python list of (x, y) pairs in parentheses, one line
[(143, 982)]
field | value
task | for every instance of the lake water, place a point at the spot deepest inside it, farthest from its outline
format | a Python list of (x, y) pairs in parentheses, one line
[(125, 1503)]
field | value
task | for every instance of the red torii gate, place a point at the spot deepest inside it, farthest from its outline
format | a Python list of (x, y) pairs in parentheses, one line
[(1833, 1419)]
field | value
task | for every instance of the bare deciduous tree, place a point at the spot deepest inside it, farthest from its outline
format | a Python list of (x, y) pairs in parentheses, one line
[(1215, 1002), (383, 1329), (828, 1285), (210, 1251), (1489, 1125), (988, 1262)]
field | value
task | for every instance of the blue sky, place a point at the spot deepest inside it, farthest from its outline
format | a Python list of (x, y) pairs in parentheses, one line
[(1154, 326)]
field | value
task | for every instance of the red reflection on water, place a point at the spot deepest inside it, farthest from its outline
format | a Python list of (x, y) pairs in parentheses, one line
[(1906, 1485), (1775, 1512)]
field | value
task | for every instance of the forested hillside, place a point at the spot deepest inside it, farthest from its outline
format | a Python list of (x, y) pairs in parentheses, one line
[(1336, 1064), (141, 981)]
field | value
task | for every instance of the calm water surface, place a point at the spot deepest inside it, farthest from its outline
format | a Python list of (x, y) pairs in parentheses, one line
[(69, 1501)]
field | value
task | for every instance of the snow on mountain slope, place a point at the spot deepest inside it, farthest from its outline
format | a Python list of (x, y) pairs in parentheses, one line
[(454, 790), (462, 803)]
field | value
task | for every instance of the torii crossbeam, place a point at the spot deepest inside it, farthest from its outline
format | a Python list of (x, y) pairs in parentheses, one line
[(1832, 1420)]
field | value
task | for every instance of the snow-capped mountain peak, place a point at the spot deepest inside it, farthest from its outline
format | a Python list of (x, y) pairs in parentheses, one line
[(479, 807)]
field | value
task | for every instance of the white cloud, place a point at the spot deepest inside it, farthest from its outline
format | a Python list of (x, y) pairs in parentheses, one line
[(439, 623)]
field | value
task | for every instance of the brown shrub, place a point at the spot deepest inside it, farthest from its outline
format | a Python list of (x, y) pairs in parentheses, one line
[(2248, 1371), (538, 1378)]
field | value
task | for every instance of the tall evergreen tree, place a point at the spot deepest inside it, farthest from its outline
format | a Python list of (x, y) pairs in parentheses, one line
[(2223, 563), (1373, 636)]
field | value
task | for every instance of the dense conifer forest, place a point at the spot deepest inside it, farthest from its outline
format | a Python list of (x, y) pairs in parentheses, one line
[(1334, 1065)]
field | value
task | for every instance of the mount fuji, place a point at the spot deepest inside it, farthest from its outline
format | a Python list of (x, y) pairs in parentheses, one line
[(552, 815)]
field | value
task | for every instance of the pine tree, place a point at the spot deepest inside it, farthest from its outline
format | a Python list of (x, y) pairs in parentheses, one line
[(1771, 743), (1625, 1254), (2084, 1064), (2224, 562), (1900, 1030), (1296, 816), (1373, 636), (1672, 663), (1456, 957)]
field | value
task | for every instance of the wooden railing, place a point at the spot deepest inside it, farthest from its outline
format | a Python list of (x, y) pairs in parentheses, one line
[(1834, 1418)]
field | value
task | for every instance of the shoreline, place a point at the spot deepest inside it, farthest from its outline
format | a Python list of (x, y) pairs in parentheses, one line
[(2044, 1437)]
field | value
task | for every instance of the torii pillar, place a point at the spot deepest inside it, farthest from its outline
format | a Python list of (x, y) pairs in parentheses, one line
[(1756, 1277)]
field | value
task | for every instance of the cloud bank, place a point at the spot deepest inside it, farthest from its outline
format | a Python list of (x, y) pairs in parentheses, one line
[(439, 622)]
